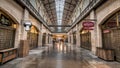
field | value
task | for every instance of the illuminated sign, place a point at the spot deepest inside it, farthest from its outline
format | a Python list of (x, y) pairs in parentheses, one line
[(88, 24)]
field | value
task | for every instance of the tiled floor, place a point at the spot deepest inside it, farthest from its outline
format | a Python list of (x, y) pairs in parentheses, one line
[(78, 58)]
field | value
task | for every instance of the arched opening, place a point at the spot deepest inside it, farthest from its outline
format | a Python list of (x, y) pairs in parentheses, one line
[(85, 39), (32, 37), (111, 34), (7, 31)]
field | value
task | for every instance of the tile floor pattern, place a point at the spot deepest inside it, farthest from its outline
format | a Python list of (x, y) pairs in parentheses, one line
[(78, 58)]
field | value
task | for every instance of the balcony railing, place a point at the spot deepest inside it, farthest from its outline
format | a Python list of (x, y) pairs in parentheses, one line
[(86, 11), (30, 7)]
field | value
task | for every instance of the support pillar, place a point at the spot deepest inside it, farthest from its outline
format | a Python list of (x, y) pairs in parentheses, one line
[(77, 37), (93, 33), (24, 43), (23, 32)]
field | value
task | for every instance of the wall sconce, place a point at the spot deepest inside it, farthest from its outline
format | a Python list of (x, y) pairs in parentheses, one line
[(14, 26), (27, 25)]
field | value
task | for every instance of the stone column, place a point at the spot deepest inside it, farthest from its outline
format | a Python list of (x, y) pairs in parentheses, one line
[(23, 32), (39, 39), (77, 36), (39, 36), (50, 39), (68, 37), (46, 38), (72, 38), (42, 31), (93, 32), (24, 43)]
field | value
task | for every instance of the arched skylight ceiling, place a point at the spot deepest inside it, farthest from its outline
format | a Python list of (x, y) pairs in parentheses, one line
[(59, 10)]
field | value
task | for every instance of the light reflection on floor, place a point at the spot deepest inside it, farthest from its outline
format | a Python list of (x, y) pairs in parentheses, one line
[(61, 47)]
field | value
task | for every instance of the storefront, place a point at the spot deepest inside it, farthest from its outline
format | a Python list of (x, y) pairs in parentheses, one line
[(33, 37), (7, 38), (7, 32), (85, 37), (111, 34)]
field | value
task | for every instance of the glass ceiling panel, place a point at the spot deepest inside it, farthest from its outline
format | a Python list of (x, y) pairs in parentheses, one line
[(59, 11)]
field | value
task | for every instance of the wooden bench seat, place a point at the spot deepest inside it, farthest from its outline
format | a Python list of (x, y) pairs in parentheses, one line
[(7, 54)]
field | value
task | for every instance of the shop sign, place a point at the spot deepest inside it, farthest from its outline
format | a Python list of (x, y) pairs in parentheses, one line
[(88, 24), (106, 31)]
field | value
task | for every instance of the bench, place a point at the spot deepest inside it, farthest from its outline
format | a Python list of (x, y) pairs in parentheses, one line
[(7, 54)]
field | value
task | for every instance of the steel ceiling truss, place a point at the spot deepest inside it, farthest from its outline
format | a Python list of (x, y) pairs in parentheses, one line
[(67, 12), (51, 12)]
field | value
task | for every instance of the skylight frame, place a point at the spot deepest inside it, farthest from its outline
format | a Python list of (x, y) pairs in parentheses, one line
[(59, 10)]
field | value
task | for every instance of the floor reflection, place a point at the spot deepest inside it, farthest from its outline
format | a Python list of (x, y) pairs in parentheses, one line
[(56, 58), (61, 47), (62, 56)]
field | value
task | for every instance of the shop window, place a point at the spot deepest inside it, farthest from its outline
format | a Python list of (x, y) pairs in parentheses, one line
[(7, 32), (85, 36)]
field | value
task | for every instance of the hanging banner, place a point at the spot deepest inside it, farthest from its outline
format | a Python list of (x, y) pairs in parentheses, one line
[(88, 24)]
